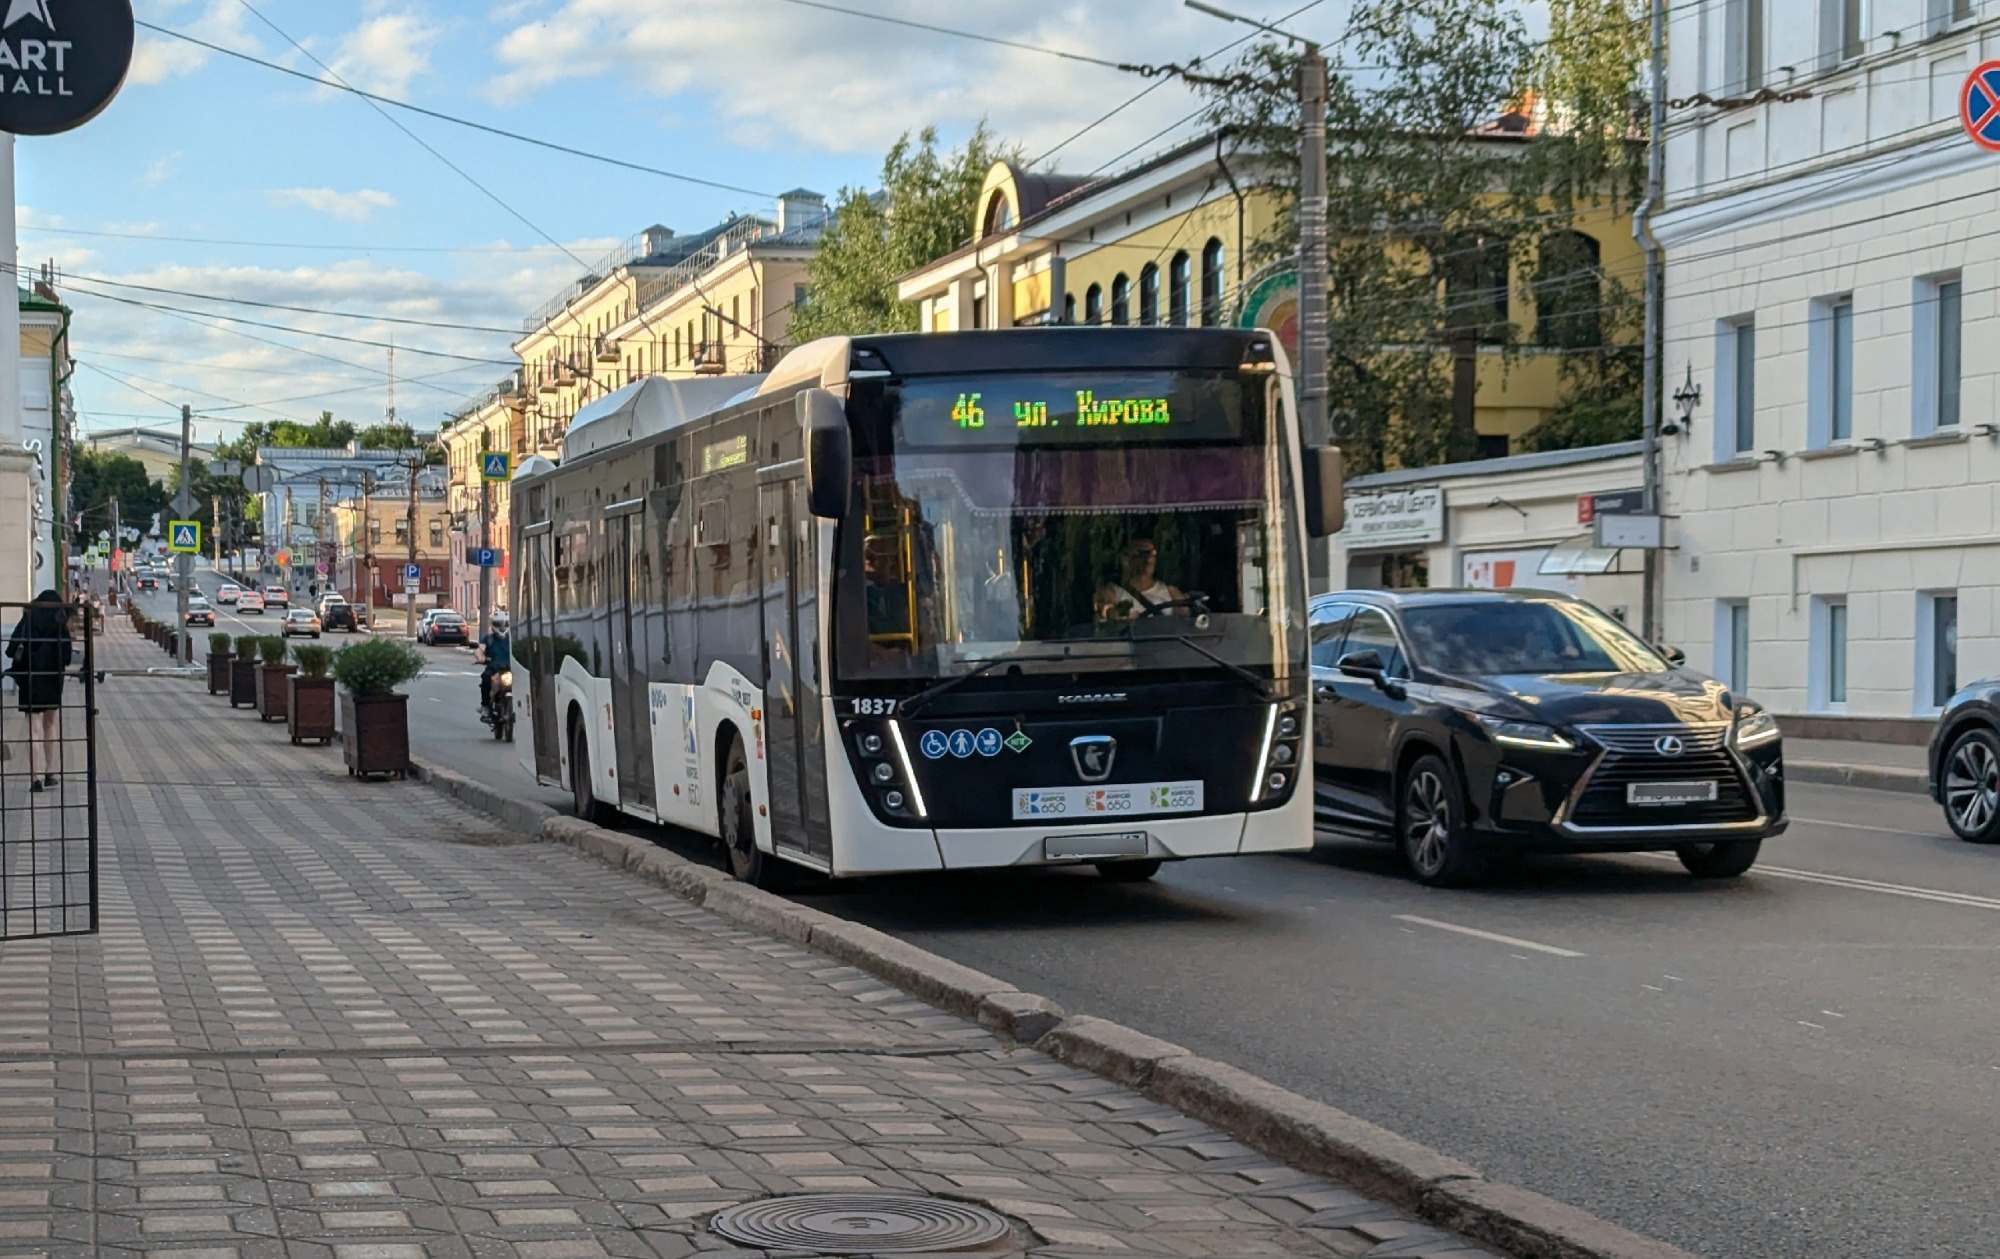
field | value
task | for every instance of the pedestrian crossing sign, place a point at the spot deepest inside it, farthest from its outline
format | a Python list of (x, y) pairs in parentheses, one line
[(495, 465), (184, 537)]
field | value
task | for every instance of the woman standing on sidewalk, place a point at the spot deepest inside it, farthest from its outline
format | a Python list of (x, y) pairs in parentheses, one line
[(37, 653)]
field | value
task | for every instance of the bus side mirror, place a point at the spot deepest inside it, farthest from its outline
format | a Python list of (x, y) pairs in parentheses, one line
[(1326, 491), (829, 453)]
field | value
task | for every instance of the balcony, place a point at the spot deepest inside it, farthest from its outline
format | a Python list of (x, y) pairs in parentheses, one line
[(607, 351), (711, 358)]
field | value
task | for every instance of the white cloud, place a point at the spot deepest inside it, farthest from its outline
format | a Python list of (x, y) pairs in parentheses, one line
[(386, 53), (160, 168), (353, 206), (780, 74), (158, 58)]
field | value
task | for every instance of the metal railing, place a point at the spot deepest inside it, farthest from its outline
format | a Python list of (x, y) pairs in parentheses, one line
[(658, 288)]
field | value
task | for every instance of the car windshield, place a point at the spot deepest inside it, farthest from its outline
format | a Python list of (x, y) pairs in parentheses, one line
[(1492, 638), (1138, 518)]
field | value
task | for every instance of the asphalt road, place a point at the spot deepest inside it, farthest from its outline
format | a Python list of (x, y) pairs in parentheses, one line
[(1802, 1064)]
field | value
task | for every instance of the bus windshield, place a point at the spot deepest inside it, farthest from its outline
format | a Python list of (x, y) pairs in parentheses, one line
[(1080, 521)]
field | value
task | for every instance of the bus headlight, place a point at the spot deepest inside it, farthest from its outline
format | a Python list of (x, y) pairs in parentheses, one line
[(1279, 750), (884, 772), (870, 744)]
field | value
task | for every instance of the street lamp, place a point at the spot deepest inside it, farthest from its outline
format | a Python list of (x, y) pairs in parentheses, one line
[(1313, 264)]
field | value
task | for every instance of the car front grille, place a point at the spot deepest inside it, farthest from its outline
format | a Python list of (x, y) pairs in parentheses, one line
[(1631, 755)]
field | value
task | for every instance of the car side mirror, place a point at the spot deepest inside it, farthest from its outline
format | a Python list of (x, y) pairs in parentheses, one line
[(1366, 665), (1326, 491), (829, 452), (1675, 656)]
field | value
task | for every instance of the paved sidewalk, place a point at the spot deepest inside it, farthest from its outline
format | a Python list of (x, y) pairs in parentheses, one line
[(1855, 763), (355, 1021)]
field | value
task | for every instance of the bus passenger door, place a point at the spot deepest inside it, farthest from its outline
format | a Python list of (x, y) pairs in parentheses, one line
[(629, 658), (790, 681), (541, 657)]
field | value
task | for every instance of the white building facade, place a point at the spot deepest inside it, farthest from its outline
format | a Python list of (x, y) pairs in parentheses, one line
[(1831, 263)]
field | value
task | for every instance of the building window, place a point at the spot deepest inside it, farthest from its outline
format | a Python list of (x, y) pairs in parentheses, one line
[(1743, 46), (1121, 300), (1830, 354), (437, 534), (1211, 283), (1476, 282), (1844, 37), (1093, 304), (1492, 446), (1937, 650), (999, 215), (1936, 361), (1568, 302), (1828, 654), (1735, 389), (1732, 645), (403, 530), (1069, 308), (1180, 289), (374, 534), (1947, 13), (1149, 295)]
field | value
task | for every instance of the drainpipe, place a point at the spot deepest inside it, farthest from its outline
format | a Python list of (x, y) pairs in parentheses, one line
[(1642, 231)]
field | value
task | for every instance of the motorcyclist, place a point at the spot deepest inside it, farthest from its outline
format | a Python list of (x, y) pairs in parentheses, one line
[(497, 654)]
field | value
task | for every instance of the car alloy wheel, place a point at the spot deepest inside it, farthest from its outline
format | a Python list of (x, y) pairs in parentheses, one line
[(1428, 827), (1972, 787)]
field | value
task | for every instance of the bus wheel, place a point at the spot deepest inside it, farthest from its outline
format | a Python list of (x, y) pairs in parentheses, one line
[(587, 808), (1128, 871), (739, 827)]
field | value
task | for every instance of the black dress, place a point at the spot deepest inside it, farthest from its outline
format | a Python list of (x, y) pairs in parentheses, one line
[(37, 653)]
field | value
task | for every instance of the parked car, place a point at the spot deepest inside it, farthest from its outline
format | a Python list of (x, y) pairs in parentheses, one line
[(1965, 762), (1467, 726), (200, 613), (336, 613), (277, 597), (227, 592), (250, 603), (300, 621), (442, 626)]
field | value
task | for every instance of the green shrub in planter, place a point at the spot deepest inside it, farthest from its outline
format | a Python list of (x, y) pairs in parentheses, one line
[(272, 649), (218, 644), (314, 660), (246, 647), (376, 667)]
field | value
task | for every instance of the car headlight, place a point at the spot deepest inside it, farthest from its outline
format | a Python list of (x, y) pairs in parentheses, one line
[(1524, 734), (1756, 729)]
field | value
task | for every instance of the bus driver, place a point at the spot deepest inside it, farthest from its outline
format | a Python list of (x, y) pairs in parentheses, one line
[(1139, 587)]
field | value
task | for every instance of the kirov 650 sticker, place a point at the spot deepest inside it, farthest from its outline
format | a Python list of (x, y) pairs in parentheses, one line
[(1123, 800)]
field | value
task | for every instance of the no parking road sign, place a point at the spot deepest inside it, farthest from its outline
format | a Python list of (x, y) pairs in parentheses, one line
[(1979, 106)]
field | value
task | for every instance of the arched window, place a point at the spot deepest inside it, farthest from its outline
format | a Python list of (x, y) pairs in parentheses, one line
[(1069, 308), (1093, 304), (1149, 295), (1568, 293), (1211, 283), (1121, 300), (1180, 289), (999, 215)]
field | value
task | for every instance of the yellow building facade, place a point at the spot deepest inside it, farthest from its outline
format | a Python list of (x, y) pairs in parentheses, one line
[(1165, 242), (499, 424)]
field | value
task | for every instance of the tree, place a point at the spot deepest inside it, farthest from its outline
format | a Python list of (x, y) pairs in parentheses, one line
[(98, 476), (387, 437), (1443, 187), (923, 212)]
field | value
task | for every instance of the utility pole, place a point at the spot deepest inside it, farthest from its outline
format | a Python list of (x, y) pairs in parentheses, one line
[(184, 560), (409, 592), (1642, 227), (215, 533), (364, 582), (485, 540), (322, 533), (117, 550)]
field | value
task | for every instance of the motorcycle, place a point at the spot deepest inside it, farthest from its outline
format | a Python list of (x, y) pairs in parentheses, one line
[(499, 714)]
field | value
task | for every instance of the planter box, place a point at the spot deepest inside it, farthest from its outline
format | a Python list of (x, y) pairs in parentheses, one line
[(271, 691), (309, 714), (243, 682), (375, 734), (218, 673)]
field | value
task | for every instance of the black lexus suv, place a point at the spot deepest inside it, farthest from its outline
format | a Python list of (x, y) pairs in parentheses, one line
[(1468, 726)]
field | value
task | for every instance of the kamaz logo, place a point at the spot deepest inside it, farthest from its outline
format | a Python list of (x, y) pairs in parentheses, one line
[(1093, 697)]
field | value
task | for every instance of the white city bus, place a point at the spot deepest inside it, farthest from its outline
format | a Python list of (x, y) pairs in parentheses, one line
[(947, 601)]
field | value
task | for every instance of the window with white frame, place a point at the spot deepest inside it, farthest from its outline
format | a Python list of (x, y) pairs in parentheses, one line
[(1843, 31), (1735, 388), (1830, 358), (1937, 649), (1827, 653), (1732, 644), (1936, 361), (1743, 46), (1944, 14)]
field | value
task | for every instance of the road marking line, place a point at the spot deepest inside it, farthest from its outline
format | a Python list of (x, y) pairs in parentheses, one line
[(1495, 937), (1964, 899), (1856, 826)]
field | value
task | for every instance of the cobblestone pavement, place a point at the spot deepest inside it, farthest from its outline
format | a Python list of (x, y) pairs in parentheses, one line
[(349, 1020)]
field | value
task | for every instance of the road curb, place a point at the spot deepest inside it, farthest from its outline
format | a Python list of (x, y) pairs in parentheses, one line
[(1296, 1130), (1873, 777)]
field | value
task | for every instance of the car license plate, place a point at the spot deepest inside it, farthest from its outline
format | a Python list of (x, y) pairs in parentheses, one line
[(1094, 847), (1669, 793)]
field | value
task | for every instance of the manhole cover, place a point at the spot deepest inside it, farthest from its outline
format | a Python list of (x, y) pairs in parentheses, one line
[(859, 1224)]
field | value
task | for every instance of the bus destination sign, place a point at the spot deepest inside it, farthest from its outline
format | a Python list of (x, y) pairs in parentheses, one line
[(1091, 412)]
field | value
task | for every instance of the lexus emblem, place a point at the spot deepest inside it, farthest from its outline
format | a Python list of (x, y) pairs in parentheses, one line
[(1092, 754), (1669, 745)]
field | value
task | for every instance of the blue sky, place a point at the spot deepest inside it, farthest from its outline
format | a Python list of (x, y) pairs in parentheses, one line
[(766, 95)]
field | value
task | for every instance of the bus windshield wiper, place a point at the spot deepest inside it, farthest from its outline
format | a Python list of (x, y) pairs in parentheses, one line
[(1237, 671), (923, 698)]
